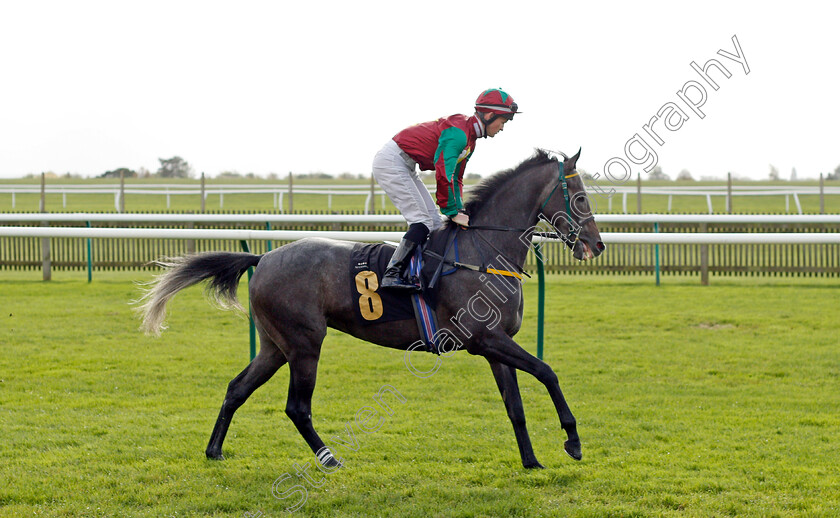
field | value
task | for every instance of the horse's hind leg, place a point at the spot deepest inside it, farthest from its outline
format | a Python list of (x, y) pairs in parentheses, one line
[(260, 370), (509, 388), (303, 371)]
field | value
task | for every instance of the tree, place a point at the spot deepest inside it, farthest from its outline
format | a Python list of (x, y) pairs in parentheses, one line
[(124, 171), (317, 175), (657, 174), (774, 173), (175, 167), (835, 175), (684, 176), (793, 177)]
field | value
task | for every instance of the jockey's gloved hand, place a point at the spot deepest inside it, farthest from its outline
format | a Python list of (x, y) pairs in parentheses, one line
[(461, 219)]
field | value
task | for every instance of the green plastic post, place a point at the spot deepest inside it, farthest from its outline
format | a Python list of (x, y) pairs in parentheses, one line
[(656, 253), (253, 329), (89, 259), (540, 299)]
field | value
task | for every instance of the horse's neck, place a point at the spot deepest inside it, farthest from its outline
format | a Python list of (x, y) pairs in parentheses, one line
[(514, 206)]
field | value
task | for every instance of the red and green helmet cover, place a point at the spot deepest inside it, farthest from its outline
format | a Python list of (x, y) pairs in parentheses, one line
[(496, 101)]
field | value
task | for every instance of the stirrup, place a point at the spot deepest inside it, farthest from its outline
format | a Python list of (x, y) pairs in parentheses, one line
[(395, 281), (398, 265)]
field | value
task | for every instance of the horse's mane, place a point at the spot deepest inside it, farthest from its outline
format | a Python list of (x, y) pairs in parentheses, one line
[(491, 185)]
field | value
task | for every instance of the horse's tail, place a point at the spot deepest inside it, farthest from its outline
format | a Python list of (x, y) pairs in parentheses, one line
[(223, 269)]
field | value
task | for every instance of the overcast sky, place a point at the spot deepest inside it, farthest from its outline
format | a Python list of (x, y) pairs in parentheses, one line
[(320, 86)]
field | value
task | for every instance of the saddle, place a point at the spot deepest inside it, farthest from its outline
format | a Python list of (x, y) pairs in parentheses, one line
[(367, 266)]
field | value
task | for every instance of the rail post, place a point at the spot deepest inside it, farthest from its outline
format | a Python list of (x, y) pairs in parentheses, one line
[(45, 241), (729, 193), (291, 205), (372, 205), (638, 193), (89, 257), (704, 258), (122, 192), (656, 253), (540, 299), (190, 242), (822, 195)]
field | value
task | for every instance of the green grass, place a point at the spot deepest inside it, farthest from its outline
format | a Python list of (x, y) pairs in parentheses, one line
[(690, 400)]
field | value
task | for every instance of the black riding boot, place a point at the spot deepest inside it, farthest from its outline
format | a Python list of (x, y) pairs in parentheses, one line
[(395, 273)]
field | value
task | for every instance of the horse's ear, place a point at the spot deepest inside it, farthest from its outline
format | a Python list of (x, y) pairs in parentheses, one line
[(574, 159)]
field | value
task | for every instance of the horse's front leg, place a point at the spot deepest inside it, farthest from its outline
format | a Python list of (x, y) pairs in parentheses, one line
[(509, 388), (499, 347)]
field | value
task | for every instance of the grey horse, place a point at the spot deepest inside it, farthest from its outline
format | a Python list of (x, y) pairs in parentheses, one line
[(300, 289)]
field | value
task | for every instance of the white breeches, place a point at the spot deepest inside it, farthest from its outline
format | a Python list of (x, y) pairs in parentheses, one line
[(397, 174)]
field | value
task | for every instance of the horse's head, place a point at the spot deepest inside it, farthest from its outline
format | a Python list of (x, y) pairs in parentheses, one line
[(566, 208)]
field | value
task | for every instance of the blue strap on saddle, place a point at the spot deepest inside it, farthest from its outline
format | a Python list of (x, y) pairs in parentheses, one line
[(423, 312)]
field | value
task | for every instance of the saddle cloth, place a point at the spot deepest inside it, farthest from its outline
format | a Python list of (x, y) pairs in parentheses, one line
[(367, 266)]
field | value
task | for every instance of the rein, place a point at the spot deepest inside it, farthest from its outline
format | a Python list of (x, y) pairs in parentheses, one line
[(476, 268), (519, 271), (570, 240)]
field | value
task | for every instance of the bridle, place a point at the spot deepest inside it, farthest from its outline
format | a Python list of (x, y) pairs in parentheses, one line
[(572, 238)]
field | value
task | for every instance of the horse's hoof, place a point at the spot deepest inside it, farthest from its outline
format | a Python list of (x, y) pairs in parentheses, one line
[(573, 449), (215, 456), (533, 465), (332, 462)]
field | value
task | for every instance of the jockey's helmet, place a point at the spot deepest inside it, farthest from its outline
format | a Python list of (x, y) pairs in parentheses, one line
[(496, 102)]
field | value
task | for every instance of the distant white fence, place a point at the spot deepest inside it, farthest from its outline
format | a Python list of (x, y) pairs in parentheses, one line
[(727, 192), (205, 218), (278, 191), (397, 219)]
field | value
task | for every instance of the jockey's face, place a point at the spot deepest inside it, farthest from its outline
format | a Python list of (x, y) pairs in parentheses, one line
[(496, 126)]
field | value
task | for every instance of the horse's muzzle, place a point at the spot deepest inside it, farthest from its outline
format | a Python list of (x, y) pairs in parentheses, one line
[(591, 252)]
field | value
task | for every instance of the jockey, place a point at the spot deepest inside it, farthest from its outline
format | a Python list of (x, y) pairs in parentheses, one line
[(445, 146)]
